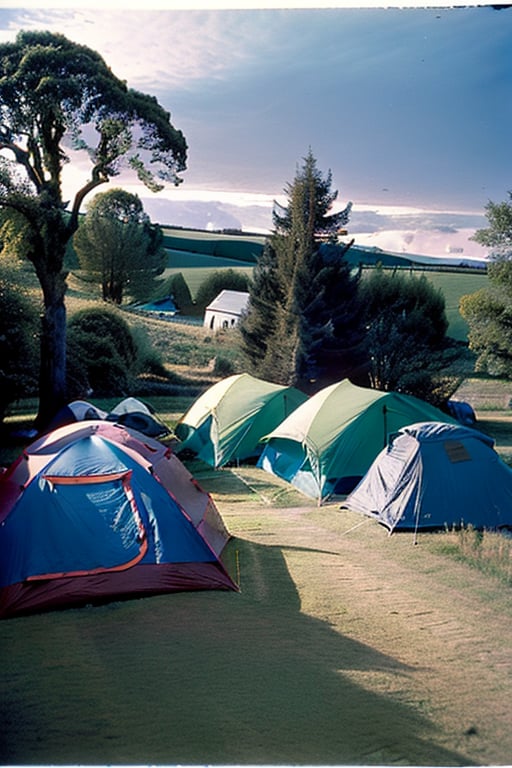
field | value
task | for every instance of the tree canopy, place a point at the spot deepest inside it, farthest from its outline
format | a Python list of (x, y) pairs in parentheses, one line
[(117, 243), (488, 312), (498, 235), (405, 344), (58, 97)]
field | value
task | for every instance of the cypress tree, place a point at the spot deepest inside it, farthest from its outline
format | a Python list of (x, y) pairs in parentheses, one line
[(303, 310)]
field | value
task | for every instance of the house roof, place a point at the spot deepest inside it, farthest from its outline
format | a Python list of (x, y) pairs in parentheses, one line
[(229, 302)]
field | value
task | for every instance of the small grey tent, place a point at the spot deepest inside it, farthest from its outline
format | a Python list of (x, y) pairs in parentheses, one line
[(433, 475), (137, 415), (130, 412)]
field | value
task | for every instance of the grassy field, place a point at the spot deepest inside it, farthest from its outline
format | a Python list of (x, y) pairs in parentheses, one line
[(344, 646), (197, 254), (454, 286)]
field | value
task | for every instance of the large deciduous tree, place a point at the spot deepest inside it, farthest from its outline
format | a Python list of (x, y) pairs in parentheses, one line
[(303, 302), (57, 96), (117, 243)]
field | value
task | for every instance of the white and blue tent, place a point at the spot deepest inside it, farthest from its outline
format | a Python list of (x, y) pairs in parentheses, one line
[(435, 475)]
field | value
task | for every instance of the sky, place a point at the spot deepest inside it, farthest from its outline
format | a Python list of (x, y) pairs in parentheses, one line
[(409, 108)]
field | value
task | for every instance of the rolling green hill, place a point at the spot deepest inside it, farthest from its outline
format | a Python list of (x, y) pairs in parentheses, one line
[(196, 254)]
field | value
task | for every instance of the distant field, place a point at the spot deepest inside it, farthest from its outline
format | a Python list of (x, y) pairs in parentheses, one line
[(197, 254), (194, 276), (235, 247), (454, 285)]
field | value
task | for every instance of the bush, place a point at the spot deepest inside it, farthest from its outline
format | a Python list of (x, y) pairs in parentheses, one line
[(223, 367), (19, 343), (176, 286), (225, 279), (148, 358), (180, 291), (102, 354)]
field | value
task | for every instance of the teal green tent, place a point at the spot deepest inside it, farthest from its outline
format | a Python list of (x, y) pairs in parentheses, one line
[(329, 442), (226, 422)]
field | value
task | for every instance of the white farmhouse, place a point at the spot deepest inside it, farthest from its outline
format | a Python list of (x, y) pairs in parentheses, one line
[(225, 310)]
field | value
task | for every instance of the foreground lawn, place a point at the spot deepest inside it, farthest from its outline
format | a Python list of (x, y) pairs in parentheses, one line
[(344, 645)]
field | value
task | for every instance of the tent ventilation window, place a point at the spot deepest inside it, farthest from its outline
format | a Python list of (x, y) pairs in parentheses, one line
[(456, 451)]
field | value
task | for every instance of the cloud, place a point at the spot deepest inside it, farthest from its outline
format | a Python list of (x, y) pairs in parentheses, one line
[(405, 106), (152, 49)]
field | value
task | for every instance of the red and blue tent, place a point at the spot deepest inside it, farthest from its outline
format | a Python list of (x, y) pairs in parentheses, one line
[(85, 517)]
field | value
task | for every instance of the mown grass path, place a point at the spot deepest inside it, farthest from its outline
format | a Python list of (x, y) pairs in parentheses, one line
[(427, 636)]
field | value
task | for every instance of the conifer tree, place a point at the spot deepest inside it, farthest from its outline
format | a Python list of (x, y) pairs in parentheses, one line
[(303, 308)]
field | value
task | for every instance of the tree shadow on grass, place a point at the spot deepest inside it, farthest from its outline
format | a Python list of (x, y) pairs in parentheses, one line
[(204, 678)]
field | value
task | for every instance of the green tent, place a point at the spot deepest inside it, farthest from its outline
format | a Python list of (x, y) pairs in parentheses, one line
[(226, 422), (329, 442)]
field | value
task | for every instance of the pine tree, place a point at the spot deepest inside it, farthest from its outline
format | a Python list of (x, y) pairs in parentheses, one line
[(303, 307)]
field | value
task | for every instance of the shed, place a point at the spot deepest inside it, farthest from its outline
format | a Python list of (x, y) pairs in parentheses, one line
[(226, 310)]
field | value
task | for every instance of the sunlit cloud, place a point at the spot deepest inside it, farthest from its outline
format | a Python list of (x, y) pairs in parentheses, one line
[(410, 110), (150, 48)]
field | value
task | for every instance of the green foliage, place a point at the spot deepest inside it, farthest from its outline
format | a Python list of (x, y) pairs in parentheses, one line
[(177, 287), (310, 199), (405, 344), (15, 236), (488, 312), (148, 358), (102, 355), (55, 93), (19, 332), (220, 280), (180, 291), (117, 244), (301, 325), (223, 366), (108, 357), (498, 235), (489, 315), (260, 326)]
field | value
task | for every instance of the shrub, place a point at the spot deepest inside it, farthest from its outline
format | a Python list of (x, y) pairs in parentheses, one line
[(180, 291), (222, 366), (147, 356), (19, 346), (225, 279), (176, 286), (102, 354)]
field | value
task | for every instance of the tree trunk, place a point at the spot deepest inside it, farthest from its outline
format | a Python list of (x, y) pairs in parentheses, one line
[(52, 374)]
